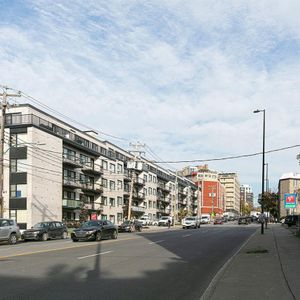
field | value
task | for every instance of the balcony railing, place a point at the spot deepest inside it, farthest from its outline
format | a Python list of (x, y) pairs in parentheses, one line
[(89, 167), (71, 203), (71, 182), (71, 160), (138, 208), (139, 181)]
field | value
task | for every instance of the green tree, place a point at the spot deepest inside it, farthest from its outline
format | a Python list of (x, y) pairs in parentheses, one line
[(269, 202)]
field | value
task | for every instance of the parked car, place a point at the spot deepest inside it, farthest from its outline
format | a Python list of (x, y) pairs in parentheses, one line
[(95, 230), (129, 226), (291, 220), (190, 222), (9, 231), (205, 219), (163, 221), (244, 220), (43, 231), (218, 221), (144, 220)]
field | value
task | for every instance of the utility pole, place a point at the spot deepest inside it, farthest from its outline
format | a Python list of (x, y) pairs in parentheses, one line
[(199, 206), (4, 104), (137, 155)]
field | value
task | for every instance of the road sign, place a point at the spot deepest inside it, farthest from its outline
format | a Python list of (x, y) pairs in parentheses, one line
[(290, 200)]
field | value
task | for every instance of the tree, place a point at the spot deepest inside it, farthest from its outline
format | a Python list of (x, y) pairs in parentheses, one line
[(270, 203)]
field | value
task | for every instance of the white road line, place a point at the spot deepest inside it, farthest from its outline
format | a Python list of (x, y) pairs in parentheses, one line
[(151, 243), (96, 254), (186, 235)]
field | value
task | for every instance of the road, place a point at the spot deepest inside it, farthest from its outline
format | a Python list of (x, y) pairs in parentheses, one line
[(154, 264)]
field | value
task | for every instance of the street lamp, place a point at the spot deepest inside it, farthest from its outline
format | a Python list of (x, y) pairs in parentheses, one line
[(263, 167)]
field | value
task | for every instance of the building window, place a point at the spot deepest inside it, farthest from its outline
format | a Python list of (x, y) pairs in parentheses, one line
[(112, 185), (18, 165), (120, 185), (18, 139), (112, 168), (18, 190), (145, 191), (120, 201), (104, 201), (104, 165), (120, 169), (103, 217), (112, 202), (69, 154), (69, 195), (104, 182), (150, 191), (112, 218), (145, 177), (119, 217), (150, 204)]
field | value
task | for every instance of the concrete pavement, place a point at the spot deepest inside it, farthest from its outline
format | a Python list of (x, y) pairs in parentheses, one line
[(265, 267)]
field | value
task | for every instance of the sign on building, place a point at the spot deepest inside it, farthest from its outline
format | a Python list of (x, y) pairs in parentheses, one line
[(290, 200)]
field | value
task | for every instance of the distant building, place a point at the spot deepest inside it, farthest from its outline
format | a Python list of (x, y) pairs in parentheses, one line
[(289, 183), (212, 196), (246, 194), (232, 190)]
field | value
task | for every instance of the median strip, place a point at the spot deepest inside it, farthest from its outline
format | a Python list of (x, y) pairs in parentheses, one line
[(96, 254)]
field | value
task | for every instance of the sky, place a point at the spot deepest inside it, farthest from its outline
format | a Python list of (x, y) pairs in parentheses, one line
[(183, 77)]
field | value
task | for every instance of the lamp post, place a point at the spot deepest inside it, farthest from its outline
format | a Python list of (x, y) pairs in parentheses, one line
[(263, 167)]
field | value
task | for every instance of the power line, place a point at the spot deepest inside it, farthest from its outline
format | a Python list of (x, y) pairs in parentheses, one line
[(228, 157)]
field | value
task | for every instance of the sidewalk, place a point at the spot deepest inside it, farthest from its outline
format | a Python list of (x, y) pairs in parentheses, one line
[(267, 267)]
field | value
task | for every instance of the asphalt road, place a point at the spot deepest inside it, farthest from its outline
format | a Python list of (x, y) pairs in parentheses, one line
[(161, 264)]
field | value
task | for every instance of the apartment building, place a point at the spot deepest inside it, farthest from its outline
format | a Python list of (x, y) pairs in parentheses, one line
[(54, 171), (289, 183), (212, 196), (246, 194), (232, 190)]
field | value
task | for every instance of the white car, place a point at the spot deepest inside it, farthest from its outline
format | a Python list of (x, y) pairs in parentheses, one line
[(205, 220), (190, 222), (163, 221), (144, 220)]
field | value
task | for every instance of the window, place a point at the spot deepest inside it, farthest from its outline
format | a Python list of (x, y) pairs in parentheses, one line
[(112, 202), (84, 159), (104, 165), (103, 217), (18, 165), (69, 154), (112, 168), (119, 217), (150, 204), (18, 139), (154, 179), (150, 191), (154, 192), (18, 190), (145, 177), (104, 182), (69, 195), (111, 219), (69, 174), (150, 178), (120, 169), (120, 184), (120, 201), (112, 185), (145, 191), (104, 201)]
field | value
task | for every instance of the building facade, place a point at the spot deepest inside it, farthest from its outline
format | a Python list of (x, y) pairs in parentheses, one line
[(54, 171), (246, 195), (289, 184), (232, 190)]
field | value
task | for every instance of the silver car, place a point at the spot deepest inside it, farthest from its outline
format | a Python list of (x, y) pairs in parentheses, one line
[(9, 231)]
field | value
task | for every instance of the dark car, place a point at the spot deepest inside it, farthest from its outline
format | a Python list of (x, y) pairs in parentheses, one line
[(244, 220), (46, 230), (95, 230), (291, 220), (129, 226)]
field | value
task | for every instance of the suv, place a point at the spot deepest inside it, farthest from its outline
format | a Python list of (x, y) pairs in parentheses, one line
[(9, 231), (46, 230), (144, 220), (189, 222), (163, 221), (291, 220)]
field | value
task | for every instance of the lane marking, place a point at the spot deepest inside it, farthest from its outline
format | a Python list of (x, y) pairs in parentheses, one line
[(186, 235), (151, 243), (65, 248), (96, 254)]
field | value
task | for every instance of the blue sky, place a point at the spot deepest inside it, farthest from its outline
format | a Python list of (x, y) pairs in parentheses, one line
[(181, 76)]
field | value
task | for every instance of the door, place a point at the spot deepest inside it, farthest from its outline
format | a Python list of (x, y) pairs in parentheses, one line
[(106, 228), (59, 230), (52, 231)]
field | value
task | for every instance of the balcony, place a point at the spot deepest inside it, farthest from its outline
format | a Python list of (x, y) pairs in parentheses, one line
[(141, 209), (163, 187), (92, 187), (72, 161), (92, 169), (71, 182), (139, 181), (127, 176), (139, 195), (68, 203)]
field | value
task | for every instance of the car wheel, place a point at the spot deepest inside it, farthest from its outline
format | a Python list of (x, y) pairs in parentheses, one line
[(44, 236), (98, 236), (74, 240), (64, 235), (114, 235), (12, 239)]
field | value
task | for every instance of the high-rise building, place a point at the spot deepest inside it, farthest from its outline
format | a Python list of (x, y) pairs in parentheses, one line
[(232, 190), (246, 194)]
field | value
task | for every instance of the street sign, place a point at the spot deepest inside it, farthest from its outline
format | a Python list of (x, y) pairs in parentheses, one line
[(290, 200)]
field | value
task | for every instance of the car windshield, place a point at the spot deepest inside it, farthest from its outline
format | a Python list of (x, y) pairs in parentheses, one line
[(90, 224), (41, 225), (190, 219), (204, 217), (164, 218)]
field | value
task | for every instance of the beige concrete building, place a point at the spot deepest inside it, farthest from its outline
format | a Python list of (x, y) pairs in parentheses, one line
[(232, 190), (54, 171)]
